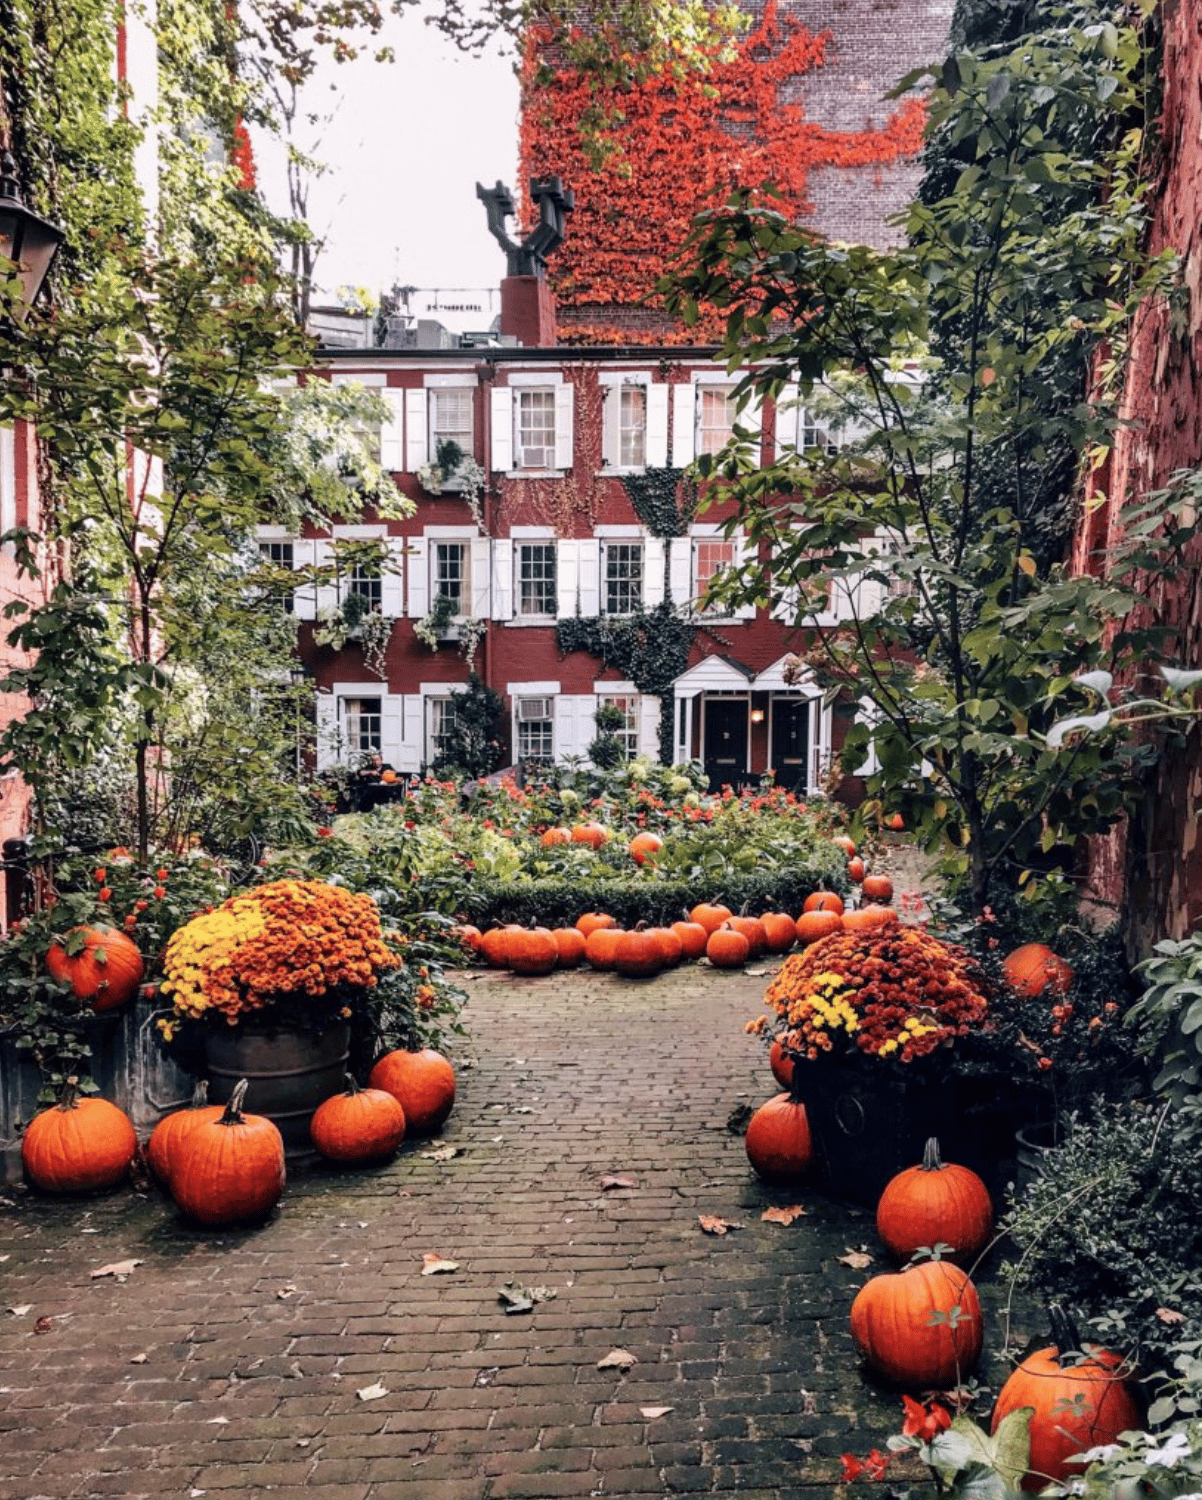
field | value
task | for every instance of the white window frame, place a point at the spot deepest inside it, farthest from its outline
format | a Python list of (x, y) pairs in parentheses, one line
[(466, 438), (548, 545), (436, 704), (465, 581), (286, 598), (631, 705), (354, 753), (526, 713), (697, 540), (547, 394), (708, 387), (606, 542)]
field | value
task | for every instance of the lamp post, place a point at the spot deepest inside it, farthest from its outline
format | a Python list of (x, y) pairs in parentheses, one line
[(27, 239)]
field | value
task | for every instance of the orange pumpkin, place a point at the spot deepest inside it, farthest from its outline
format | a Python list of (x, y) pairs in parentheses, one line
[(532, 951), (778, 1140), (780, 930), (841, 841), (644, 847), (166, 1136), (920, 1328), (781, 1063), (229, 1170), (590, 833), (868, 917), (468, 936), (359, 1125), (823, 901), (856, 869), (726, 948), (601, 946), (494, 945), (592, 920), (422, 1083), (670, 945), (106, 968), (693, 938), (813, 925), (1034, 970), (570, 943), (638, 954), (388, 777), (710, 915), (895, 823), (753, 930), (555, 836), (79, 1145), (936, 1201), (877, 888), (1077, 1405)]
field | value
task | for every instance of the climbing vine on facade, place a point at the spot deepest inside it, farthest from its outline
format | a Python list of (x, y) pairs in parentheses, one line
[(665, 500)]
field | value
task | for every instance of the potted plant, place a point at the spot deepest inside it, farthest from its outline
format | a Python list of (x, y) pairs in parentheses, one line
[(436, 627)]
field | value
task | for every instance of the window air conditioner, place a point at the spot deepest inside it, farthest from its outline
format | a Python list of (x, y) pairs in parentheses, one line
[(537, 458), (530, 710)]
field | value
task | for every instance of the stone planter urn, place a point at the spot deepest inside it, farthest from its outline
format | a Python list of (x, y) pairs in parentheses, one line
[(289, 1073)]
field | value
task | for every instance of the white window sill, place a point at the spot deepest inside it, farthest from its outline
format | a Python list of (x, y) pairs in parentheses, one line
[(522, 622), (535, 474), (616, 471)]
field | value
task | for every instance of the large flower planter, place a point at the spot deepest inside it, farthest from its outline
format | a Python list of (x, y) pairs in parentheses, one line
[(289, 1074)]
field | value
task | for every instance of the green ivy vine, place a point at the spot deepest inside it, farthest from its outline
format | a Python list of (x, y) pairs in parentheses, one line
[(665, 500)]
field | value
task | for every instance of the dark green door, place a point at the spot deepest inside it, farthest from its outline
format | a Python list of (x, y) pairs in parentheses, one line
[(790, 742), (725, 742)]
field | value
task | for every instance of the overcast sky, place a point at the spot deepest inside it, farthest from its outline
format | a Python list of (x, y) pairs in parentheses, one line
[(406, 144)]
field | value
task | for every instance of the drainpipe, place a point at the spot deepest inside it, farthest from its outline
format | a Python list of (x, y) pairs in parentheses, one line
[(487, 373)]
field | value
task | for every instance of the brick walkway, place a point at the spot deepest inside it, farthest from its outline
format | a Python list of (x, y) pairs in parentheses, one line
[(229, 1364)]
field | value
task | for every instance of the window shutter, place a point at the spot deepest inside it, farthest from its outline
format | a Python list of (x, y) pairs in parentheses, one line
[(649, 726), (392, 721), (657, 426), (419, 578), (680, 569), (611, 440), (565, 396), (786, 417), (480, 581), (590, 577), (327, 731), (820, 743), (501, 413), (417, 444), (304, 599), (744, 551), (574, 726), (684, 415), (327, 590), (392, 448), (392, 579), (567, 576), (413, 739), (653, 571), (502, 579)]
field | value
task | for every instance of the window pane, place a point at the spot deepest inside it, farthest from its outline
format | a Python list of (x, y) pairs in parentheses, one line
[(632, 427), (450, 559), (536, 579), (623, 577), (365, 580), (279, 555), (709, 557), (442, 727), (629, 733), (451, 419), (362, 724), (717, 416), (536, 429), (536, 739), (816, 432)]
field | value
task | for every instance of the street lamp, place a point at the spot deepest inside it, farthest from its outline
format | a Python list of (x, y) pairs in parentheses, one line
[(25, 237)]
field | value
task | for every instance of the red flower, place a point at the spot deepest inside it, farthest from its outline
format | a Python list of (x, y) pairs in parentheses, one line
[(852, 1468), (159, 892), (105, 893), (161, 874), (100, 876), (1044, 1062), (325, 833), (924, 1422)]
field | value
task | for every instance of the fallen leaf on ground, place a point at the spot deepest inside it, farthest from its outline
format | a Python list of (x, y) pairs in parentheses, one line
[(43, 1325), (617, 1359), (1167, 1315), (651, 1412), (435, 1265), (739, 1118), (3, 1258), (712, 1224), (520, 1299), (783, 1215), (372, 1392), (609, 1183), (856, 1259), (119, 1268), (441, 1153), (755, 973), (218, 1422), (19, 1312), (138, 1359)]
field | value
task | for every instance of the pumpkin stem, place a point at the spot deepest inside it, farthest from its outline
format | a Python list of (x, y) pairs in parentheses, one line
[(931, 1161), (1065, 1336), (69, 1098), (233, 1110), (352, 1088), (200, 1094)]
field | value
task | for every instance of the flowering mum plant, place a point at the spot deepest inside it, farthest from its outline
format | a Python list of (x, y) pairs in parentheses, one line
[(963, 1461), (891, 992), (293, 950)]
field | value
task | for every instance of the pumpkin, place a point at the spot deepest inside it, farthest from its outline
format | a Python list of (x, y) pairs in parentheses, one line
[(936, 1201), (468, 936), (823, 901), (644, 847), (1077, 1406), (79, 1145), (601, 946), (920, 1328), (780, 930), (569, 941), (813, 925), (726, 948), (877, 888), (846, 844), (532, 951), (693, 938), (753, 930), (106, 968), (868, 917), (388, 777), (778, 1140), (1034, 970), (895, 823), (670, 945), (166, 1136), (781, 1063), (710, 915), (592, 920), (856, 869), (555, 836), (422, 1083), (229, 1170), (590, 833), (359, 1125), (638, 955), (494, 945)]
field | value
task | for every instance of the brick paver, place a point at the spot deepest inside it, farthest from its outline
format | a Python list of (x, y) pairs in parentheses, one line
[(228, 1364)]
